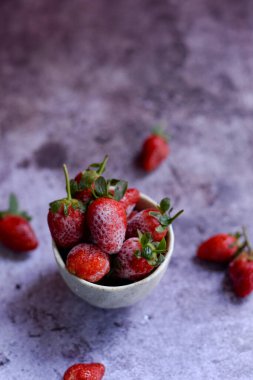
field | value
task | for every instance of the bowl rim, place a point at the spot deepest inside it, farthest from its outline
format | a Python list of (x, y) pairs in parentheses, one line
[(150, 277)]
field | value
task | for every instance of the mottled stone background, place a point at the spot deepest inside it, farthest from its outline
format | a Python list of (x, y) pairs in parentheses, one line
[(79, 79)]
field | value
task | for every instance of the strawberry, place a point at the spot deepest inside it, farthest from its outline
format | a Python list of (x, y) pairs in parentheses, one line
[(133, 213), (66, 219), (92, 371), (107, 222), (152, 220), (241, 269), (129, 200), (83, 184), (154, 150), (219, 248), (16, 232), (138, 257), (106, 216), (88, 262)]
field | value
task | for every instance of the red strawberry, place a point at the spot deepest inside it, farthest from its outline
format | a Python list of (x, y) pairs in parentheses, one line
[(133, 213), (66, 219), (138, 257), (241, 269), (83, 184), (107, 222), (155, 150), (153, 221), (219, 248), (88, 262), (16, 232), (92, 371), (241, 274), (130, 199)]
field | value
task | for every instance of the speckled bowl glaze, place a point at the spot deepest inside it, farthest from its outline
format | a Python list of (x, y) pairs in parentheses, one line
[(112, 297)]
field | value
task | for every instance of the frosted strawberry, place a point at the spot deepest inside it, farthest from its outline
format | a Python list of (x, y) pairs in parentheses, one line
[(106, 216), (138, 257), (88, 262), (153, 220), (66, 219), (83, 184), (130, 199)]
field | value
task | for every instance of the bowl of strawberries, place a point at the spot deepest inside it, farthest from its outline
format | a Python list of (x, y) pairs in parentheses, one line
[(112, 244)]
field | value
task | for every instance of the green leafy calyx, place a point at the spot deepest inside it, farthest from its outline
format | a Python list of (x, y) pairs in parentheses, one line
[(13, 209), (164, 214), (65, 203), (103, 188), (243, 244), (152, 251), (88, 177), (158, 131)]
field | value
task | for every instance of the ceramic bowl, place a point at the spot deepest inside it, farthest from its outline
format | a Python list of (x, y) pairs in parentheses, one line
[(111, 297)]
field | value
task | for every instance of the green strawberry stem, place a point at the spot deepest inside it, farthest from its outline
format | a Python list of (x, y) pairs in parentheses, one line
[(103, 165), (246, 239), (159, 131), (14, 209), (245, 244), (176, 216), (66, 173)]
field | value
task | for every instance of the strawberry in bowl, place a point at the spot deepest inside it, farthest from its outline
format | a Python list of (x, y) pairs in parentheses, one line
[(124, 247)]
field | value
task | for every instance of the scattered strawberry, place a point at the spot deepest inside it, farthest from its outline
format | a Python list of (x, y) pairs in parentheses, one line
[(219, 248), (83, 184), (153, 220), (92, 371), (16, 232), (66, 219), (138, 257), (241, 269), (88, 262), (130, 199), (155, 150)]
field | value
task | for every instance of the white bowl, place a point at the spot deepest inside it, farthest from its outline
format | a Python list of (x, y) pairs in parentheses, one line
[(112, 297)]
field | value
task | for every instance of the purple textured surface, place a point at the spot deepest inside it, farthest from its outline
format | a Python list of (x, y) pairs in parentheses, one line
[(79, 79)]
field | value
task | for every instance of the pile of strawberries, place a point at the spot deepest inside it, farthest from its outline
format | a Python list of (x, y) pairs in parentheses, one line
[(98, 230), (235, 251)]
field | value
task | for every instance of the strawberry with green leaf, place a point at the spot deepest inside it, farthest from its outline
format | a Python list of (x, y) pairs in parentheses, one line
[(154, 150), (241, 268), (16, 232), (81, 187), (106, 216), (66, 219), (219, 248), (153, 220), (138, 257)]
